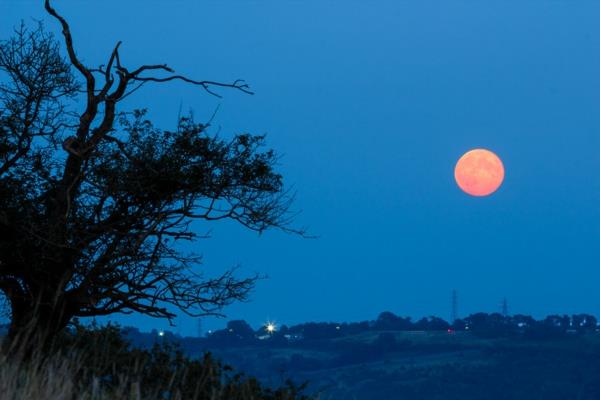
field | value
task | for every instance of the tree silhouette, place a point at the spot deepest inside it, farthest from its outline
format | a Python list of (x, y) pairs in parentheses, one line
[(92, 203)]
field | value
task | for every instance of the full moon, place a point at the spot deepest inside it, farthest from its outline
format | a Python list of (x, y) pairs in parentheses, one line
[(479, 172)]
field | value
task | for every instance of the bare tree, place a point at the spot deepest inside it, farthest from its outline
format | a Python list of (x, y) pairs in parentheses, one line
[(92, 203)]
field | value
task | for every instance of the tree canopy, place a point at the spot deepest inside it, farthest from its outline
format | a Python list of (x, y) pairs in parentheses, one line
[(93, 201)]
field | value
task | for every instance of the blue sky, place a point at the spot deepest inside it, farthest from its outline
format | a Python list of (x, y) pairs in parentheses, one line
[(370, 105)]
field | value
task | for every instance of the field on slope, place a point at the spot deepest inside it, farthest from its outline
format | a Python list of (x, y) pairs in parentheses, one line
[(429, 365)]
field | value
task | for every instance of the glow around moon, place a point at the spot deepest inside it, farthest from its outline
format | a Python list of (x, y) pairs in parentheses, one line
[(479, 172)]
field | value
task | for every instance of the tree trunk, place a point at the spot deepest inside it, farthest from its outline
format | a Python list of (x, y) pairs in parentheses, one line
[(34, 327)]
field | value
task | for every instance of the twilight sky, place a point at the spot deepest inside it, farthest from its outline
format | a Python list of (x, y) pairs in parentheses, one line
[(370, 105)]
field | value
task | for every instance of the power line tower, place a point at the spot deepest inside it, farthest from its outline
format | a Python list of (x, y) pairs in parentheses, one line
[(504, 307), (454, 315)]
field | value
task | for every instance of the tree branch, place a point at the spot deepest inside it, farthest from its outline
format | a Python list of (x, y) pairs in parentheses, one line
[(66, 30), (238, 84)]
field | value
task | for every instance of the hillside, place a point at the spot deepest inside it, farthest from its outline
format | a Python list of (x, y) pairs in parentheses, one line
[(484, 356), (487, 359), (431, 365)]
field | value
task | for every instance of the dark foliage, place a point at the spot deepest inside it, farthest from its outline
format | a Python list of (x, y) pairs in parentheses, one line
[(162, 371), (93, 202)]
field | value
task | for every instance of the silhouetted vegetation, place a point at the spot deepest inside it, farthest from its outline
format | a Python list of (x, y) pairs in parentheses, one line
[(482, 356), (481, 325), (98, 363), (94, 202)]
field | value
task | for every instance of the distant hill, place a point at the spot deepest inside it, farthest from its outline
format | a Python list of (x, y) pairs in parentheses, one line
[(431, 365), (488, 357), (481, 357)]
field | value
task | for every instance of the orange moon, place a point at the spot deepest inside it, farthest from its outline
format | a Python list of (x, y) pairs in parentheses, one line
[(479, 172)]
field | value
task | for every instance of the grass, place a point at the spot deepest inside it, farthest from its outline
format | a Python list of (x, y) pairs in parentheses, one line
[(97, 364)]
